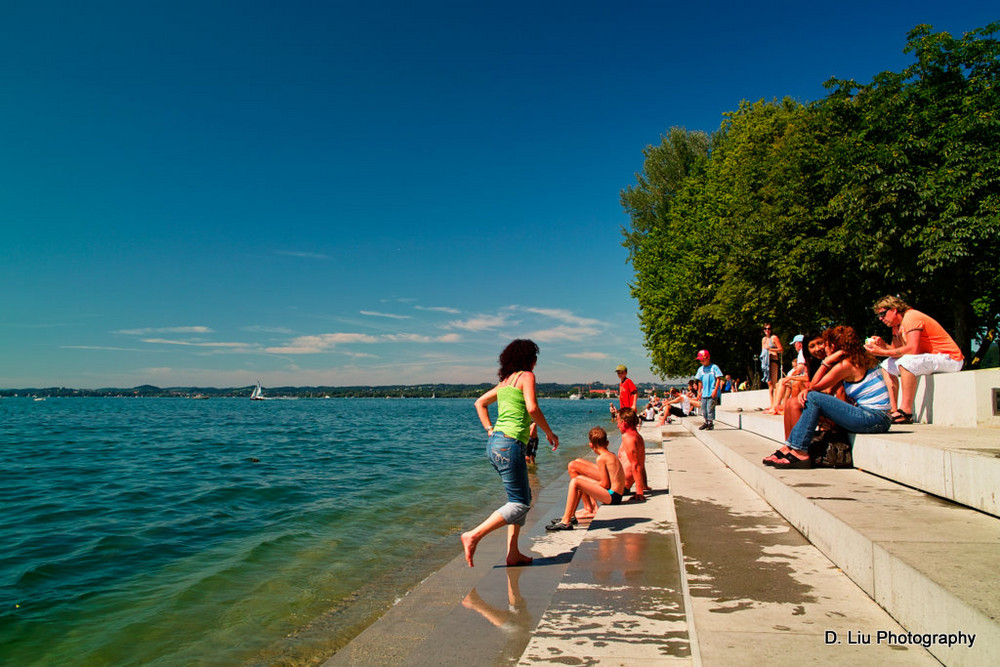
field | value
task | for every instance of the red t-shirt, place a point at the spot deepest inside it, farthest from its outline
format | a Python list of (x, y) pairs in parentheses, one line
[(626, 394)]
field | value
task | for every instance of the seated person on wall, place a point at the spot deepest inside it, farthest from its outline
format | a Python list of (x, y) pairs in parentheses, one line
[(866, 411), (817, 347), (920, 346), (679, 403)]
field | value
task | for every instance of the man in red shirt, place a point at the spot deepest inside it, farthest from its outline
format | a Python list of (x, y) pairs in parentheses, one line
[(920, 346), (627, 393)]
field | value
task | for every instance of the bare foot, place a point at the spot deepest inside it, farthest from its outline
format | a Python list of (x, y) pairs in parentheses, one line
[(469, 544), (582, 514), (518, 559)]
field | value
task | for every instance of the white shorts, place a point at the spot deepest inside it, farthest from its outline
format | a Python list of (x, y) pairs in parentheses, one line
[(923, 364)]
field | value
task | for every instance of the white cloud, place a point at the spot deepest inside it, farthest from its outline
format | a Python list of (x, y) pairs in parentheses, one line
[(372, 313), (100, 347), (321, 343), (587, 355), (440, 309), (480, 323), (326, 342), (302, 255), (151, 330), (563, 333), (564, 316), (417, 338), (274, 330), (156, 371), (165, 341)]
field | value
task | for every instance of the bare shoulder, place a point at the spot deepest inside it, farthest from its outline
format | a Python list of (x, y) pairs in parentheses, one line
[(631, 438), (526, 378)]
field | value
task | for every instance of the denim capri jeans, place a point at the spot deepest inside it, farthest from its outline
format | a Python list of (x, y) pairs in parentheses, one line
[(507, 456)]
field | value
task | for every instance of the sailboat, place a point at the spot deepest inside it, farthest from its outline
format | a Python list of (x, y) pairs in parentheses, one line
[(257, 394)]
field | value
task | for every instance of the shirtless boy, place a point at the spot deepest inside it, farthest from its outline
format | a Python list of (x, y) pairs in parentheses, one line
[(632, 453), (633, 449), (606, 489)]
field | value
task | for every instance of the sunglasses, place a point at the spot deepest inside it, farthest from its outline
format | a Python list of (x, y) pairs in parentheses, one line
[(880, 314)]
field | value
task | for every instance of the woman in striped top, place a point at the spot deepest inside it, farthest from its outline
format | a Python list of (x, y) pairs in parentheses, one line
[(865, 411)]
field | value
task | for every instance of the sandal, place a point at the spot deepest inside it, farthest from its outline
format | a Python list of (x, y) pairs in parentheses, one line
[(792, 461), (900, 417), (774, 458), (558, 525), (573, 521)]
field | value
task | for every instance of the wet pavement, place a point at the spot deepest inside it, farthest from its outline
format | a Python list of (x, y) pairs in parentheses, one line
[(752, 590)]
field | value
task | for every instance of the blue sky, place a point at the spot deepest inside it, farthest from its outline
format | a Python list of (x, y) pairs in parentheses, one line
[(207, 193)]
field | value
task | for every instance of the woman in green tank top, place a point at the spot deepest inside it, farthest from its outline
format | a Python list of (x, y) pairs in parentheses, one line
[(517, 407)]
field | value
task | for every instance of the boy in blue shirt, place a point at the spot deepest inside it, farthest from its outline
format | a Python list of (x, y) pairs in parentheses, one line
[(710, 377)]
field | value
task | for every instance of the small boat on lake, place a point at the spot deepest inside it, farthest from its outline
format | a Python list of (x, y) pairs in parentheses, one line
[(257, 394)]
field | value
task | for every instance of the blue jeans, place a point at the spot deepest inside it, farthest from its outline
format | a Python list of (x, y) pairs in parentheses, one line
[(708, 408), (507, 456), (852, 418)]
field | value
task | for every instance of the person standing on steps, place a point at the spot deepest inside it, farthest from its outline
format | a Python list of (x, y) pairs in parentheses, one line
[(627, 393), (711, 378), (770, 359), (517, 407)]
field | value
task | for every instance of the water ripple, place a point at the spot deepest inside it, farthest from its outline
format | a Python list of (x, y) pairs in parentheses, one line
[(139, 530)]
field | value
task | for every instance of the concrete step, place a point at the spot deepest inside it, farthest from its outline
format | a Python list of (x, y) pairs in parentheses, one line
[(932, 564), (969, 399), (960, 464), (760, 593)]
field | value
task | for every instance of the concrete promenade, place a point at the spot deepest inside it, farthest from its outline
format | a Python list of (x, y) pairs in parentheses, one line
[(706, 572)]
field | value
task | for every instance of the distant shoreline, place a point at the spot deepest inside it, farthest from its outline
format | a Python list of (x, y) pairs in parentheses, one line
[(587, 390)]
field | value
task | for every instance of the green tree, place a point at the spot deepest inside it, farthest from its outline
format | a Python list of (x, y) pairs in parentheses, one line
[(803, 215), (918, 159), (665, 247)]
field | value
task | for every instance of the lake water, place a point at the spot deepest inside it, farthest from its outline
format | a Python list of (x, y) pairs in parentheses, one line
[(231, 531)]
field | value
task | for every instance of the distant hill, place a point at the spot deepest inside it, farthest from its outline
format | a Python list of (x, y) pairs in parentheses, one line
[(545, 390)]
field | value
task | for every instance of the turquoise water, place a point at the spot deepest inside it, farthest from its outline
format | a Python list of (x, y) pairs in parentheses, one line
[(230, 531)]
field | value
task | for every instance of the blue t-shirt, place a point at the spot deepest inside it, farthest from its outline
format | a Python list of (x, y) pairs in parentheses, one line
[(708, 376)]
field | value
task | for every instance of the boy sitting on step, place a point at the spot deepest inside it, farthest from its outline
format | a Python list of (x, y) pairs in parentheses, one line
[(607, 489), (632, 453)]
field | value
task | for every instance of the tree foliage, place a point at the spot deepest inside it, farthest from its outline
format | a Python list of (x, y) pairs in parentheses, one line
[(803, 215)]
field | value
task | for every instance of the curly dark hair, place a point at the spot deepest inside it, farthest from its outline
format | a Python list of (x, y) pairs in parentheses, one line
[(519, 355), (844, 338)]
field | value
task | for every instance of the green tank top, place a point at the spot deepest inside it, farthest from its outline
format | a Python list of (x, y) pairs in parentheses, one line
[(513, 419)]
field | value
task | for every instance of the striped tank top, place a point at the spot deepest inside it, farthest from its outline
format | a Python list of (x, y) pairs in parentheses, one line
[(869, 392)]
